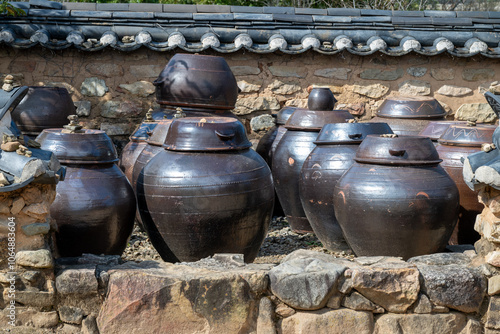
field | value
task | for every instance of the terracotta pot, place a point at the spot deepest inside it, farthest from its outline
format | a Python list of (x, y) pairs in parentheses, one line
[(455, 144), (409, 115), (192, 80), (291, 152), (333, 155), (95, 206), (207, 192), (43, 108), (396, 200)]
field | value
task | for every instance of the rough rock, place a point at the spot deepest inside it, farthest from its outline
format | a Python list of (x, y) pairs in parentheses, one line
[(83, 108), (414, 87), (38, 211), (454, 286), (375, 91), (245, 106), (180, 298), (494, 87), (423, 305), (89, 325), (441, 259), (139, 88), (35, 298), (494, 285), (443, 74), (299, 103), (335, 301), (394, 286), (340, 73), (245, 70), (493, 313), (145, 71), (262, 122), (475, 74), (420, 323), (307, 254), (288, 71), (93, 87), (417, 71), (71, 315), (493, 258), (278, 87), (377, 74), (358, 302), (36, 228), (247, 87), (17, 205), (265, 321), (30, 317), (117, 129), (450, 90), (77, 281), (371, 260), (481, 112), (41, 258), (305, 284), (119, 109), (329, 322), (105, 69), (284, 311)]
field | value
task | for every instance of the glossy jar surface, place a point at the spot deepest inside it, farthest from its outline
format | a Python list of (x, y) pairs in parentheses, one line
[(334, 153), (43, 108), (94, 206), (455, 144), (396, 200), (196, 200)]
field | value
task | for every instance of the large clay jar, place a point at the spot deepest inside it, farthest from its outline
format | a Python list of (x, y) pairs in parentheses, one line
[(207, 192), (435, 129), (197, 81), (409, 115), (43, 108), (95, 206), (455, 144), (396, 200), (297, 143), (334, 153)]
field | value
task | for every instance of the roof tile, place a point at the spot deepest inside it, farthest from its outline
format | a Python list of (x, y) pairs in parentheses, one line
[(175, 8)]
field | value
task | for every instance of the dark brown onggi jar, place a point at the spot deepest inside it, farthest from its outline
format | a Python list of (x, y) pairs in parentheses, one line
[(43, 108), (95, 206), (207, 192), (408, 115), (435, 129), (302, 130), (396, 200), (334, 153), (197, 81), (455, 144)]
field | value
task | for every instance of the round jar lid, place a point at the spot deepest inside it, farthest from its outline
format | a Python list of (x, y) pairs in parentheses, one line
[(435, 129), (411, 107), (206, 134), (314, 120), (85, 147), (397, 150), (159, 134), (144, 131), (467, 135), (349, 133)]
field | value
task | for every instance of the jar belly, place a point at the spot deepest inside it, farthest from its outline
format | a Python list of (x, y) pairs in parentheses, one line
[(94, 210), (191, 213), (396, 211), (130, 153)]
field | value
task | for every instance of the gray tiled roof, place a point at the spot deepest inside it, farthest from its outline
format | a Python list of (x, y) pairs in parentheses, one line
[(92, 27)]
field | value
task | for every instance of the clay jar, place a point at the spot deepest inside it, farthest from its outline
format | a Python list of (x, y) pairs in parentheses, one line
[(409, 115), (455, 144), (396, 200), (297, 143), (43, 108), (207, 192), (95, 206), (334, 153)]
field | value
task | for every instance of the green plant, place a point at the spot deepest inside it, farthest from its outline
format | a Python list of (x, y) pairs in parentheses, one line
[(9, 10)]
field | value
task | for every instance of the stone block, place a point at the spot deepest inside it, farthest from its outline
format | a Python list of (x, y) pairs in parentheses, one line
[(94, 87), (39, 211), (443, 74), (384, 75), (105, 69), (414, 88), (493, 313), (265, 321), (478, 74), (284, 311), (41, 258), (36, 228), (71, 315), (117, 129), (374, 91), (494, 285), (145, 71), (423, 305), (34, 298), (83, 108), (481, 112), (441, 259), (245, 106), (421, 323), (17, 205), (416, 71), (247, 87), (278, 87), (139, 88), (358, 302), (262, 122), (450, 90), (120, 109), (245, 70), (288, 71), (493, 258), (89, 325), (77, 281), (340, 73)]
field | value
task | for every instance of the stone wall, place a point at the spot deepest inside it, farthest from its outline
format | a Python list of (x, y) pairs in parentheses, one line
[(113, 90)]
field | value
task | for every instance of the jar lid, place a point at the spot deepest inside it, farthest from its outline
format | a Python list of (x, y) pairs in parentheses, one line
[(435, 129), (349, 133), (143, 132), (397, 150), (314, 120), (159, 134), (284, 114), (83, 147), (467, 135), (206, 134), (411, 107)]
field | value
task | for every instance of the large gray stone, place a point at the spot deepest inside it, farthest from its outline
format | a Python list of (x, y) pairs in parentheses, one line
[(340, 73), (288, 71), (394, 286), (375, 91), (262, 122), (89, 325), (450, 90), (421, 323), (245, 70), (278, 87), (105, 69), (305, 284), (481, 112), (71, 315), (455, 286), (441, 259), (139, 88), (493, 313), (358, 302), (414, 87), (417, 71), (247, 87), (119, 109), (34, 298), (265, 321), (245, 106), (478, 74), (93, 87), (326, 321), (377, 74), (41, 258), (83, 108), (146, 71), (443, 74), (36, 228), (423, 305), (77, 281), (117, 129)]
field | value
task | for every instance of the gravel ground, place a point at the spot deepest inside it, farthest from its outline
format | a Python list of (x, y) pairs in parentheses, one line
[(280, 241)]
